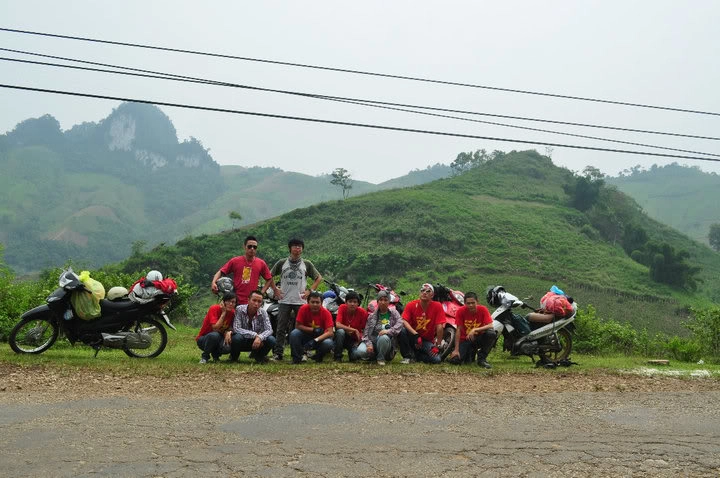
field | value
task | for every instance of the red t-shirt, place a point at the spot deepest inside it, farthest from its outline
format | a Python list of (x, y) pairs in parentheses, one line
[(211, 318), (467, 321), (424, 322), (356, 321), (246, 275), (321, 319)]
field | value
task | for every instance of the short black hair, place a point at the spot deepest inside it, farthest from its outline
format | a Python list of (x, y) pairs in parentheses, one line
[(296, 242), (471, 295), (250, 238), (228, 295), (352, 295), (255, 292), (314, 294)]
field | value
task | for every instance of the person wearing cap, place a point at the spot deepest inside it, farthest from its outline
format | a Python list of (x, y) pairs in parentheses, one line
[(218, 320), (381, 330), (246, 271), (349, 326), (424, 320), (475, 333)]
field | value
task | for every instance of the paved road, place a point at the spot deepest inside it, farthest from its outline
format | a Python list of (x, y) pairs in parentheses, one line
[(276, 432)]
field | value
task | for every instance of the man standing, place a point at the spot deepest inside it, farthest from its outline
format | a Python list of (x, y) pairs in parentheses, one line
[(293, 291), (246, 271), (313, 331), (349, 326), (251, 330), (382, 327), (424, 321), (475, 333)]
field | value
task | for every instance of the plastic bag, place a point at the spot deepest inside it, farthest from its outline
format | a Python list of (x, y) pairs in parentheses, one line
[(87, 302)]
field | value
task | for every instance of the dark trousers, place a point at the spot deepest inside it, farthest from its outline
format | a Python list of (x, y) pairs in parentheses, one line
[(244, 344), (481, 345), (212, 344), (422, 354), (285, 323)]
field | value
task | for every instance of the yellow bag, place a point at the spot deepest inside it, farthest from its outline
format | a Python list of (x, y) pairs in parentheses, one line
[(87, 303)]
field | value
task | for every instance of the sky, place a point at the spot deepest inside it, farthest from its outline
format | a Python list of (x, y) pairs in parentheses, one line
[(648, 52)]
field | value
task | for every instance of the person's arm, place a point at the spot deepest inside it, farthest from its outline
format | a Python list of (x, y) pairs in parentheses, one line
[(370, 328), (409, 328), (312, 272), (300, 319), (267, 326), (223, 322), (326, 335), (397, 326), (213, 285), (341, 313)]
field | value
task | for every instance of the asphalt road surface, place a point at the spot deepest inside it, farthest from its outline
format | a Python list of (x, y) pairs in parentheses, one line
[(306, 423)]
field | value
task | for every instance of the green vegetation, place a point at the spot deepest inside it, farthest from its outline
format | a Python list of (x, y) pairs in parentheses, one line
[(683, 197)]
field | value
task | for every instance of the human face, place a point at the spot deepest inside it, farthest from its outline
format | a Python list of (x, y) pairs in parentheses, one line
[(383, 304), (230, 304), (315, 304), (296, 250), (254, 303), (426, 294), (251, 248), (352, 305), (471, 304)]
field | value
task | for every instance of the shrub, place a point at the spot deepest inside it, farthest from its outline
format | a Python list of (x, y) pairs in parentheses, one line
[(705, 329), (596, 335)]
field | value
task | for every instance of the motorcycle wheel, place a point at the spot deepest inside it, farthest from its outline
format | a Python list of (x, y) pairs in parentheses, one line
[(158, 337), (449, 338), (565, 340), (33, 336)]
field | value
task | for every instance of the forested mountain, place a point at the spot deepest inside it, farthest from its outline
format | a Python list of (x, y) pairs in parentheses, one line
[(685, 198), (88, 193), (515, 220)]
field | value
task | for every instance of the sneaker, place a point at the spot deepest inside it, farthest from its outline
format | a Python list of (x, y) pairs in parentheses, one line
[(406, 361), (203, 361), (276, 358), (484, 364), (304, 358), (381, 362), (262, 360)]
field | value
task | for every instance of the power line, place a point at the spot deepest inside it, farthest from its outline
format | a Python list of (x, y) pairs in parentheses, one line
[(360, 72), (348, 123), (167, 76), (363, 100)]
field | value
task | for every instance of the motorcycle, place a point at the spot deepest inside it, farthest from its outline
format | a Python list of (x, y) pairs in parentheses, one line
[(334, 297), (551, 342), (451, 301), (123, 324), (395, 302)]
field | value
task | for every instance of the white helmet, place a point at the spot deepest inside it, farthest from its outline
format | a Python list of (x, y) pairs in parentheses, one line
[(154, 276)]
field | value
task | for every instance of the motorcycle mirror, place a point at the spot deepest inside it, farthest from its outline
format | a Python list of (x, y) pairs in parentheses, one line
[(402, 292)]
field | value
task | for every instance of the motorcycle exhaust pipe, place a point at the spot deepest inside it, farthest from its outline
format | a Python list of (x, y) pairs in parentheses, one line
[(121, 340)]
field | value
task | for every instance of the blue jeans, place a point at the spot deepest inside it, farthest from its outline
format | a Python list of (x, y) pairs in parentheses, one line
[(383, 349), (298, 339), (422, 354), (343, 341), (212, 344), (244, 344)]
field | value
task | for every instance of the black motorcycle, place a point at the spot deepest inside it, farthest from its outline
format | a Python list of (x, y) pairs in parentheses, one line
[(123, 324)]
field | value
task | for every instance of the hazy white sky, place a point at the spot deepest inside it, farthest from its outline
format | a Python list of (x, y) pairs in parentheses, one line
[(654, 52)]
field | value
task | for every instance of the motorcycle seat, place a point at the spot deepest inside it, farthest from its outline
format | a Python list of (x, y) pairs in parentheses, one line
[(113, 306)]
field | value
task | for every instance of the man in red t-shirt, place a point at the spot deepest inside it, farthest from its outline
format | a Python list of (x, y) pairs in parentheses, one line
[(424, 321), (349, 326), (475, 333), (313, 331), (246, 271), (218, 320)]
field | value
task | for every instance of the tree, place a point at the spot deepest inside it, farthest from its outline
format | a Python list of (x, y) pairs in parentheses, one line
[(341, 179), (235, 217), (714, 236)]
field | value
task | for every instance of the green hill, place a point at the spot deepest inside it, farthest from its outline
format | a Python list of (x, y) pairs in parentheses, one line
[(507, 222), (683, 197), (88, 193)]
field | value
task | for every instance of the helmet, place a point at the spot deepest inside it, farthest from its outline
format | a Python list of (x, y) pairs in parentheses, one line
[(116, 293), (225, 284), (493, 295), (154, 276), (328, 294)]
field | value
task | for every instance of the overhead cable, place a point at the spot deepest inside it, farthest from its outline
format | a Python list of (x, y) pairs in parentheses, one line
[(354, 124), (360, 72), (165, 76), (364, 100)]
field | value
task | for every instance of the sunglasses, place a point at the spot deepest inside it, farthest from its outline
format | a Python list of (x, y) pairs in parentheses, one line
[(425, 291), (251, 246)]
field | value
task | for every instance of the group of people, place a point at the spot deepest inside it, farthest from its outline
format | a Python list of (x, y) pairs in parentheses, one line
[(240, 324)]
